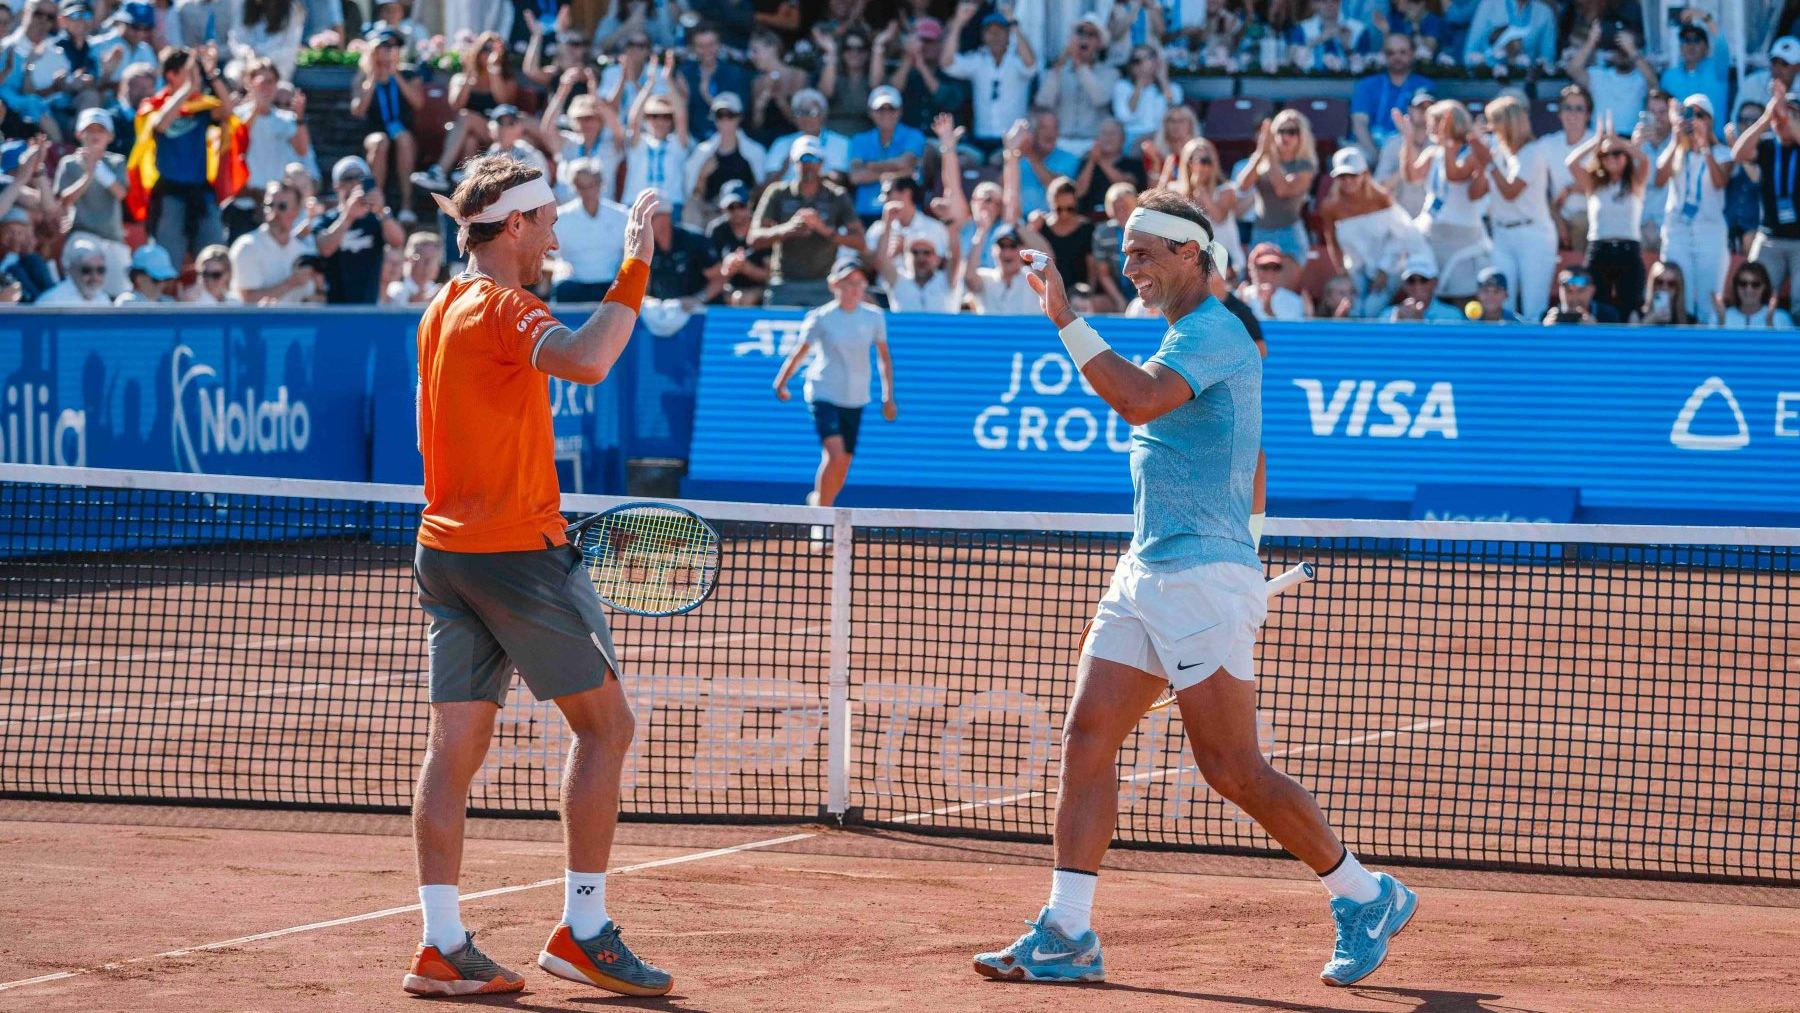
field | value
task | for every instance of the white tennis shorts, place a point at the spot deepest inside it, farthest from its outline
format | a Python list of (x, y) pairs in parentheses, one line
[(1182, 625)]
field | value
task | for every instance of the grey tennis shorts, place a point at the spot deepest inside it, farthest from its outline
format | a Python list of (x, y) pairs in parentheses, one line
[(494, 611)]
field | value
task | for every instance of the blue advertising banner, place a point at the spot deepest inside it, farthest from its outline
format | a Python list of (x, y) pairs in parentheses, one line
[(1644, 424), (258, 392)]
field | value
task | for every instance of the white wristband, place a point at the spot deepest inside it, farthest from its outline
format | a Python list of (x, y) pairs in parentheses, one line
[(1082, 341), (104, 175)]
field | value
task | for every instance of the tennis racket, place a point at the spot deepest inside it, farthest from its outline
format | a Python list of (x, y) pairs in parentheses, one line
[(1286, 580), (649, 559)]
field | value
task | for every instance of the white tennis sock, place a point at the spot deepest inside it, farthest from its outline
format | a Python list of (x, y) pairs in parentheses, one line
[(443, 917), (584, 903), (1072, 901), (1349, 879)]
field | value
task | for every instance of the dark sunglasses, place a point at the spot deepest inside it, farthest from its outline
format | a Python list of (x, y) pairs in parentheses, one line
[(923, 253), (1417, 279), (638, 44), (1288, 131), (1749, 283), (726, 114), (213, 275), (1612, 154), (1666, 286), (277, 206), (1203, 160), (41, 16), (507, 121), (659, 116), (1574, 109), (91, 269), (1268, 267)]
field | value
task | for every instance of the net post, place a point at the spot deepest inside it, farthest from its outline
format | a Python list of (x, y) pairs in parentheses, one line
[(837, 717)]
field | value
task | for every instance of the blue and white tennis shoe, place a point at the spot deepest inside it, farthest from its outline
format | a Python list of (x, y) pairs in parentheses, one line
[(1363, 930), (1044, 954)]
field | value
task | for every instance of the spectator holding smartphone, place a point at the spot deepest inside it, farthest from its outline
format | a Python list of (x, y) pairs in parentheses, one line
[(385, 96), (1696, 169), (353, 237), (1772, 144)]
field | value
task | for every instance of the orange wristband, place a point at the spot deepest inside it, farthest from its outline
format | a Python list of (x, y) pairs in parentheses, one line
[(628, 288)]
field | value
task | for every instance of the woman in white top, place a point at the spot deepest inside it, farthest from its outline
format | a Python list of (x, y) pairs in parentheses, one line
[(1368, 236), (1144, 93), (1455, 175), (1613, 172), (1750, 302), (1519, 208), (1694, 235), (1200, 177)]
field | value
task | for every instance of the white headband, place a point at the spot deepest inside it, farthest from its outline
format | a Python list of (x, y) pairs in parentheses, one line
[(1180, 230), (527, 196)]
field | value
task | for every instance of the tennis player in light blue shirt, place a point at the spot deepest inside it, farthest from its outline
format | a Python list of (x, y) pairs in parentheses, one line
[(1184, 606)]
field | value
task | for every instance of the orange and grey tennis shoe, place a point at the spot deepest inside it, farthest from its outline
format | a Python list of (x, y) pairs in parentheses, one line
[(468, 971), (604, 961)]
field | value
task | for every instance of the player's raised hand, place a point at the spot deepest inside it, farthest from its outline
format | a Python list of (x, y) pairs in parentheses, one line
[(1047, 282), (640, 243)]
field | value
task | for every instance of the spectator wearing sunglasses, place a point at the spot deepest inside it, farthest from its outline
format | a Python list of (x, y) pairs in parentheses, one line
[(1696, 169), (1750, 304), (84, 275), (572, 52), (1078, 87), (1575, 300), (1772, 143), (22, 88), (212, 279), (385, 96), (1613, 172), (264, 261), (90, 186), (728, 156), (423, 263), (657, 143)]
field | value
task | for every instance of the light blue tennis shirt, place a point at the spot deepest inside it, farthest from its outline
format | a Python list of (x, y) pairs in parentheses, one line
[(1194, 469), (839, 372)]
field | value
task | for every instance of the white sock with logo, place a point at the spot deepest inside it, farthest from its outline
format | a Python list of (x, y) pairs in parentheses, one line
[(1349, 879), (1072, 901), (584, 903), (443, 917)]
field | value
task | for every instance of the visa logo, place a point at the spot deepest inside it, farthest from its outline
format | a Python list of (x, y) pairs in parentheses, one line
[(1398, 409)]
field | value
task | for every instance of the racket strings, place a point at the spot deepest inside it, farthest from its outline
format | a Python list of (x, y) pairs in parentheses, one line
[(650, 559)]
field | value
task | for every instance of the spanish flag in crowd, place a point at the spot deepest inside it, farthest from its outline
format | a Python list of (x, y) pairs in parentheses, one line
[(225, 146)]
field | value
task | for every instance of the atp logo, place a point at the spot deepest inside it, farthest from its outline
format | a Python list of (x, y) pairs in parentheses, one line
[(1681, 433)]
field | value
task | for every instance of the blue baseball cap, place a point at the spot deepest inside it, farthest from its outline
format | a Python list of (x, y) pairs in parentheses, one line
[(385, 35), (78, 10), (996, 18), (502, 111), (154, 261), (135, 13), (11, 154), (1491, 277)]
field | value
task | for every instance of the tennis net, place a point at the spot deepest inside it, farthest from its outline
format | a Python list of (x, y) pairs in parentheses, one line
[(1565, 698)]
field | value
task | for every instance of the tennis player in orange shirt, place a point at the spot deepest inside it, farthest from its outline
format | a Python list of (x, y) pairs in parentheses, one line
[(501, 584)]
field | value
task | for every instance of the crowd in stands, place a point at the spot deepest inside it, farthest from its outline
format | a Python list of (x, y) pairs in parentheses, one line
[(160, 152)]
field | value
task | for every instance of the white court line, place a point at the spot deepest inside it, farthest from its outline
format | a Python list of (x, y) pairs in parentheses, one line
[(1417, 726), (697, 856)]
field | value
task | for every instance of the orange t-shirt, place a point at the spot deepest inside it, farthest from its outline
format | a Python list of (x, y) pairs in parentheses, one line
[(484, 421)]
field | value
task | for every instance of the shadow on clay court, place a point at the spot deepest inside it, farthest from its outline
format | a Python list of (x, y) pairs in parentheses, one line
[(561, 1004), (1405, 1000)]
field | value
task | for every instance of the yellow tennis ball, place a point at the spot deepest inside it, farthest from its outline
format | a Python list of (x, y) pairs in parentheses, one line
[(1472, 310)]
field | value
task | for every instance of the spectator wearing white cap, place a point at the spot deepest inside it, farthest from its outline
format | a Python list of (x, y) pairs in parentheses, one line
[(84, 277), (803, 223), (1368, 237), (809, 108), (1696, 169), (1519, 208), (1418, 296), (354, 236), (728, 155), (1772, 144), (1784, 64), (1000, 70), (1078, 87), (152, 277), (264, 261), (90, 187), (590, 238), (657, 148), (887, 148)]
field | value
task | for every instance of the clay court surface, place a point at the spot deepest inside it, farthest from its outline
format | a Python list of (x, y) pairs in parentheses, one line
[(832, 921)]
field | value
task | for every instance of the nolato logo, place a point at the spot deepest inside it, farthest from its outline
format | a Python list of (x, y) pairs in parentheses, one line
[(237, 426)]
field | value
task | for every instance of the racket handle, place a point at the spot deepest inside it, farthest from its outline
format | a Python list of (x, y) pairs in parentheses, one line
[(1288, 579)]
